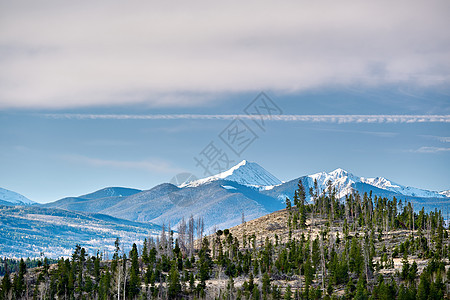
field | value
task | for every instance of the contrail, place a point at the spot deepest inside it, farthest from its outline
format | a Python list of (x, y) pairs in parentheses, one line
[(285, 118)]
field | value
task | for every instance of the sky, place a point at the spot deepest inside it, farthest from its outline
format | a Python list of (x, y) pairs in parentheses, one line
[(113, 93)]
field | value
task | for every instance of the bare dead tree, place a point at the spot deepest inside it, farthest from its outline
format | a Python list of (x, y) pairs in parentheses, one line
[(191, 230), (200, 228), (163, 241), (182, 235), (151, 243), (169, 249)]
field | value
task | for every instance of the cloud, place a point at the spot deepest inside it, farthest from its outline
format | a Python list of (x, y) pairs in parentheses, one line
[(432, 149), (384, 134), (286, 118), (154, 165), (59, 55), (442, 139)]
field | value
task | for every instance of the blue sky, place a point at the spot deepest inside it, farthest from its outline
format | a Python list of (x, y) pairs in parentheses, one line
[(66, 85)]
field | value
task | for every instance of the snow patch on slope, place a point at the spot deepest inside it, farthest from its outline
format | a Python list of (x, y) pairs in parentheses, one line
[(228, 187)]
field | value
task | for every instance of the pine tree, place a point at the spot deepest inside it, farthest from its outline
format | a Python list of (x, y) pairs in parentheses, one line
[(266, 284), (191, 282), (423, 291), (97, 268), (288, 293), (174, 286), (255, 293), (104, 286), (6, 283), (361, 290), (405, 266), (412, 275), (19, 280), (134, 283), (116, 256), (145, 252), (288, 203)]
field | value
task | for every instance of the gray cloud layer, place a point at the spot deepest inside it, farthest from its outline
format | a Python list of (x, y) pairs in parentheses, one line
[(60, 54)]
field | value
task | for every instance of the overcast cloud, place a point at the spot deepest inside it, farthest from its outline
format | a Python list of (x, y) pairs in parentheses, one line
[(60, 54)]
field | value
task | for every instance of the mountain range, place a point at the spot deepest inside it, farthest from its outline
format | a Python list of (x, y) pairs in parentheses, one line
[(221, 200), (246, 191), (8, 197)]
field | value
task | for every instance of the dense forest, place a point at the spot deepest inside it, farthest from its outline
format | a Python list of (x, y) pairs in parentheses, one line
[(360, 247)]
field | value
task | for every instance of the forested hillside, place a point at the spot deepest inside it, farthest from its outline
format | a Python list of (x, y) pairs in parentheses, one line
[(361, 248)]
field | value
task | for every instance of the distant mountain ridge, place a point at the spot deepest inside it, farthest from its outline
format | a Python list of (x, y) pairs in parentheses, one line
[(8, 197), (94, 202), (220, 203), (246, 191), (111, 192), (220, 200)]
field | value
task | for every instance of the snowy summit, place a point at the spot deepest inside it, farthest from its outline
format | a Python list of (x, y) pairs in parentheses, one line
[(344, 182), (245, 173)]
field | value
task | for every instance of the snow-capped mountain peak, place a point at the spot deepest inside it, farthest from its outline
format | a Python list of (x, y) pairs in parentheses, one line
[(245, 173), (13, 197), (344, 182), (340, 179), (339, 172), (445, 193)]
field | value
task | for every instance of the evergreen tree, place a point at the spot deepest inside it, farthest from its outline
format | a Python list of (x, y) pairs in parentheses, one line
[(423, 290), (6, 283), (255, 293), (104, 286), (97, 268), (288, 204), (361, 290), (174, 286), (266, 284), (405, 267), (145, 257), (134, 282), (116, 255), (19, 280), (288, 293)]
